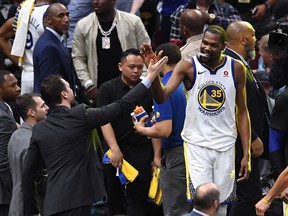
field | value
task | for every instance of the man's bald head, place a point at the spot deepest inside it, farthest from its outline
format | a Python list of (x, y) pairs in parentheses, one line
[(192, 22), (237, 29), (53, 9), (205, 195)]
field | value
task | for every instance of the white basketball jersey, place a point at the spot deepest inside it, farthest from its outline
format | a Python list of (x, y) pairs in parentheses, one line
[(210, 113), (35, 29)]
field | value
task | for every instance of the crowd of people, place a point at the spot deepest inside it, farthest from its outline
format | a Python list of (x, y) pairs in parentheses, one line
[(207, 75)]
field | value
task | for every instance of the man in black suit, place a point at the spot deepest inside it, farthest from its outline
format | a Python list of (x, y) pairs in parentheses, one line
[(63, 141), (241, 45), (51, 55), (9, 91)]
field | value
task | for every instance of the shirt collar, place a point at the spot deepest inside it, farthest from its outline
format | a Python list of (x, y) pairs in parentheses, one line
[(194, 38), (240, 56), (56, 34), (199, 212)]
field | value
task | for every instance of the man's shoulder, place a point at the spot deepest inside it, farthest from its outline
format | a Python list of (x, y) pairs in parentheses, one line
[(128, 17), (87, 20)]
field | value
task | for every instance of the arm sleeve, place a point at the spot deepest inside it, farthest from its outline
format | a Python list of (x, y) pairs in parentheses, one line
[(105, 114), (31, 168)]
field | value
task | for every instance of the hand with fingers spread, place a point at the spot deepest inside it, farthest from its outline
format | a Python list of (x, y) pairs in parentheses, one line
[(147, 54), (155, 68)]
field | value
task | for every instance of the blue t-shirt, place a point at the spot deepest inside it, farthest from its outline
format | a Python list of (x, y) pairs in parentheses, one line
[(172, 109)]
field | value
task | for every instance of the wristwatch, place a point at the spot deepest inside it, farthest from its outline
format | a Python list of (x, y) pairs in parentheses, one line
[(212, 17)]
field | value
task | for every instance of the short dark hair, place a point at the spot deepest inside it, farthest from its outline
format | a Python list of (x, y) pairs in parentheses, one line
[(24, 103), (215, 29), (2, 74), (127, 52), (51, 88), (172, 51), (205, 201)]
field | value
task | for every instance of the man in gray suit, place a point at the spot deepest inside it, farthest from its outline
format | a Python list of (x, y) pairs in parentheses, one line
[(9, 91), (32, 109), (206, 200)]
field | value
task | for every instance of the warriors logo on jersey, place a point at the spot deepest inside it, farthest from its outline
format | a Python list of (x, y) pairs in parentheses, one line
[(211, 97)]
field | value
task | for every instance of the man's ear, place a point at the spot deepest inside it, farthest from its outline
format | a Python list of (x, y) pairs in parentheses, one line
[(31, 112), (64, 94), (120, 66), (216, 204), (242, 39)]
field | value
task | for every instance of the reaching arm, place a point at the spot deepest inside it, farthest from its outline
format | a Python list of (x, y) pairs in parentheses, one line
[(6, 34), (136, 6), (157, 146), (109, 136), (280, 185), (158, 130), (243, 121)]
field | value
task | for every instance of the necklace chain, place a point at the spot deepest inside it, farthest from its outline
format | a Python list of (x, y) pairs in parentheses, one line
[(107, 33)]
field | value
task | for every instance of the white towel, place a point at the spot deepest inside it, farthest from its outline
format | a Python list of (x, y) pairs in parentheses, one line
[(19, 43)]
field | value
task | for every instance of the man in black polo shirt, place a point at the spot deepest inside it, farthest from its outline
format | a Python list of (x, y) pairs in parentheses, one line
[(124, 143)]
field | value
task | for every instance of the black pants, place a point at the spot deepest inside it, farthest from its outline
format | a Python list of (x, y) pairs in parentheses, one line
[(248, 193), (132, 199), (4, 210), (81, 211)]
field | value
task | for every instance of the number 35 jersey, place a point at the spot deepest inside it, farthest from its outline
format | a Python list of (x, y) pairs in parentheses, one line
[(210, 112)]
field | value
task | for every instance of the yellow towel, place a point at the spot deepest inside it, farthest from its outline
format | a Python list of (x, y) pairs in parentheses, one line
[(155, 191), (154, 183), (158, 198), (19, 43), (129, 171)]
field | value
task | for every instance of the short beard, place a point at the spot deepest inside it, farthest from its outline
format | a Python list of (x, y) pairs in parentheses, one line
[(251, 54)]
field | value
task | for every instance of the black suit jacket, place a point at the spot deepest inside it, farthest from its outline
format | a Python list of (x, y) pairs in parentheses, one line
[(62, 141), (258, 111), (51, 57), (7, 127)]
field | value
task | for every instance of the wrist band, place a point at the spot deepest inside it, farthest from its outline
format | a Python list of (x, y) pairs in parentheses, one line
[(266, 202), (90, 89)]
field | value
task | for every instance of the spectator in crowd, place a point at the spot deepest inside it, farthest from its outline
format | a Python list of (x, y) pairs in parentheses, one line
[(130, 6), (77, 10), (63, 141), (278, 74), (256, 12), (124, 142), (50, 55), (32, 109), (215, 13), (25, 39), (166, 8), (9, 91), (191, 25), (241, 46), (210, 125), (266, 54), (99, 39), (206, 200), (169, 118), (278, 133), (265, 63)]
